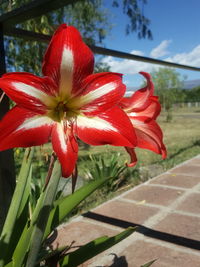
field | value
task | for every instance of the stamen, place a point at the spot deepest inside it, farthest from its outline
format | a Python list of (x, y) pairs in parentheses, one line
[(63, 110)]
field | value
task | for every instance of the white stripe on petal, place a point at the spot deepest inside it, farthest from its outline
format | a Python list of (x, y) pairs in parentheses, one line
[(146, 129), (138, 103), (139, 124), (132, 114), (97, 93), (61, 137), (95, 123), (66, 72), (35, 122), (30, 90)]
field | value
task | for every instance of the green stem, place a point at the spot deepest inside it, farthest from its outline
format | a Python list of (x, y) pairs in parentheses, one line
[(13, 213), (39, 228)]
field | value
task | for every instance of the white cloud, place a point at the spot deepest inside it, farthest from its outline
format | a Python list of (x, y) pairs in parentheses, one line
[(131, 67), (161, 49), (137, 52), (191, 58), (126, 66)]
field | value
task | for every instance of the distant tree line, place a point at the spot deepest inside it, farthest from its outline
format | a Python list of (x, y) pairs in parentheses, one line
[(169, 87), (192, 95)]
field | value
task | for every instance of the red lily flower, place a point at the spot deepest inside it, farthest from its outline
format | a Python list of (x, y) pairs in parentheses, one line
[(68, 102), (143, 108)]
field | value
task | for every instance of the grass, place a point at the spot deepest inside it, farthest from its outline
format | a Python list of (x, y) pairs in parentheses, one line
[(181, 137)]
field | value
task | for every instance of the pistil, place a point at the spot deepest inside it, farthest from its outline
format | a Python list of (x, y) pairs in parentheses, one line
[(63, 110)]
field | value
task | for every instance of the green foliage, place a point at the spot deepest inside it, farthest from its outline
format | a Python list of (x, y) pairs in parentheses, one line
[(18, 211), (64, 206), (109, 164), (192, 95), (137, 21), (100, 167), (40, 162), (166, 79), (87, 16), (168, 84), (39, 227)]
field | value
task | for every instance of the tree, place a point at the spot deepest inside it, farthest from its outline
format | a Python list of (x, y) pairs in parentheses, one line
[(87, 15), (168, 84), (192, 95), (137, 21)]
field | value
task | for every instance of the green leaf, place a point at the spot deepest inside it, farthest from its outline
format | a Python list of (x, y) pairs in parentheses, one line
[(17, 205), (149, 263), (93, 248), (64, 206), (48, 255), (23, 215), (24, 242), (39, 227), (10, 264), (26, 194)]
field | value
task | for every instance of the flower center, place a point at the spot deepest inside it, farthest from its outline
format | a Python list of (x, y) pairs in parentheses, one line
[(63, 109)]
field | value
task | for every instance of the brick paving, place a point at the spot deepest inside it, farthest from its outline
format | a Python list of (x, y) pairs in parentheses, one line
[(167, 212)]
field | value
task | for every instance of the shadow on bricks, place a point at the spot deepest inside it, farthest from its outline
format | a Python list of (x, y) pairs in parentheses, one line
[(117, 261), (178, 240)]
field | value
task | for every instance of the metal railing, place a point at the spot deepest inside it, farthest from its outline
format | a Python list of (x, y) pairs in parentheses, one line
[(37, 8)]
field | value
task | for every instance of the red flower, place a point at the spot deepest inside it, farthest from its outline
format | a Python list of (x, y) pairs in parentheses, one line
[(143, 108), (68, 102)]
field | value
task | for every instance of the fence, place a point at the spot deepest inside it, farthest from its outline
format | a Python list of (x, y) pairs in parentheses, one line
[(187, 104)]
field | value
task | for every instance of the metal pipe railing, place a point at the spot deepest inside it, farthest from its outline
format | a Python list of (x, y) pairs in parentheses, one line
[(39, 7), (98, 50)]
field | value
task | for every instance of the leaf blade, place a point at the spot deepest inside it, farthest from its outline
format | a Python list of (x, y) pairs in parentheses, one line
[(66, 205), (93, 248), (148, 263), (19, 199)]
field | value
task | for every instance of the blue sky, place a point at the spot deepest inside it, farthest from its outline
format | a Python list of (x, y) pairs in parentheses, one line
[(175, 25)]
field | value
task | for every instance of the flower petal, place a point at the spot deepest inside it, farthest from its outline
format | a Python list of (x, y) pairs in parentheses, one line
[(68, 60), (23, 128), (111, 127), (149, 135), (66, 148), (28, 90), (150, 112), (140, 99), (133, 157), (100, 92)]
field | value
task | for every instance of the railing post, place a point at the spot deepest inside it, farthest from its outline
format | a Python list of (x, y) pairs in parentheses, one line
[(7, 166)]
